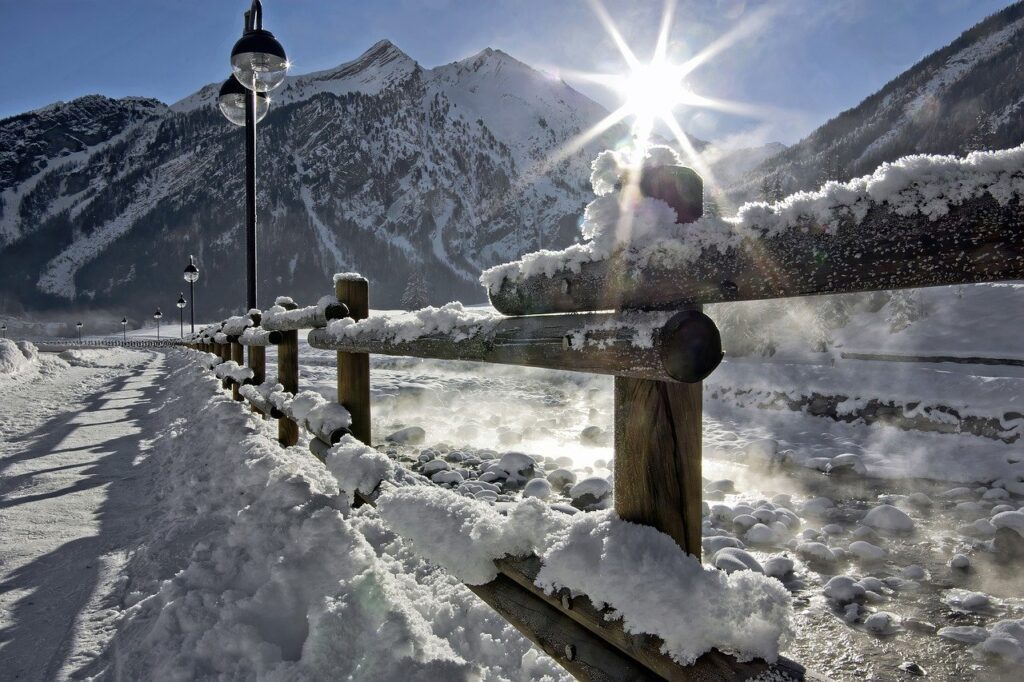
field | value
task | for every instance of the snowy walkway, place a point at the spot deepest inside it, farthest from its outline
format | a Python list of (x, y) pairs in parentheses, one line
[(72, 496)]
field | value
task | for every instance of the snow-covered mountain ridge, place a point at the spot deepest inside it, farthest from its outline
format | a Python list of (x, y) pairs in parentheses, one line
[(377, 165), (966, 96)]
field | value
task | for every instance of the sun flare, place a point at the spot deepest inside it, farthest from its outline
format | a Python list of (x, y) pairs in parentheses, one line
[(653, 92)]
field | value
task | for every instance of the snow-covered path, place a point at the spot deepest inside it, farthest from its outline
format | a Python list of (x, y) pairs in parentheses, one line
[(73, 493)]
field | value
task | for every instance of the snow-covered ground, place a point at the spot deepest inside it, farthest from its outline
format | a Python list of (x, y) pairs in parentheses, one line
[(151, 528)]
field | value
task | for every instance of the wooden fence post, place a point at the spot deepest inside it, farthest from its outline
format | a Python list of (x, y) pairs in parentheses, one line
[(354, 368), (658, 423), (258, 364), (288, 377), (238, 355), (658, 457)]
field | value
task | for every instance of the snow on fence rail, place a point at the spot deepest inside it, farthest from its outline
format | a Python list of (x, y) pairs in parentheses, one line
[(918, 222)]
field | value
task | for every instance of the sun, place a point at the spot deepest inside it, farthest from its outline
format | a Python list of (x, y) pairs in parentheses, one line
[(652, 92)]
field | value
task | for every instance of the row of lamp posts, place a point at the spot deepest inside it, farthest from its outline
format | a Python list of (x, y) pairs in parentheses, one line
[(258, 65), (191, 276)]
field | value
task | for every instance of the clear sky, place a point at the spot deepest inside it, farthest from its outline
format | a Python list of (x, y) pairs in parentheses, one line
[(807, 61)]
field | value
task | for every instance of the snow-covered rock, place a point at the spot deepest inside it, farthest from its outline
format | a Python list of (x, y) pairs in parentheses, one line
[(842, 589), (731, 559), (888, 517), (882, 623)]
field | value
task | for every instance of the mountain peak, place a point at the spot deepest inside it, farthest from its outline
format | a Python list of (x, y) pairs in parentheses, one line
[(381, 52)]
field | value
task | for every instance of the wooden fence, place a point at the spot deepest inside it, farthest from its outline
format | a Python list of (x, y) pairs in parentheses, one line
[(657, 384)]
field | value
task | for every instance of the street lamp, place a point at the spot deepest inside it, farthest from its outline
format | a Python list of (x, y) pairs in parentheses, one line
[(124, 329), (156, 316), (4, 329), (181, 313), (79, 325), (192, 276), (258, 65)]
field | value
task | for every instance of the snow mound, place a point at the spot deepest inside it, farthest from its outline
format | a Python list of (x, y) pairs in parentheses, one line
[(693, 610), (261, 571), (111, 358), (15, 358)]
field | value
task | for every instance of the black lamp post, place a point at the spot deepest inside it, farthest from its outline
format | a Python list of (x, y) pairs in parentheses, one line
[(192, 276), (156, 316), (4, 329), (79, 325), (181, 313), (258, 65), (124, 329)]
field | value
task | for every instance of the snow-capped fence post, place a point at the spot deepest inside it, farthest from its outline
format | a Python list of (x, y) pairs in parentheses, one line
[(658, 423), (354, 368)]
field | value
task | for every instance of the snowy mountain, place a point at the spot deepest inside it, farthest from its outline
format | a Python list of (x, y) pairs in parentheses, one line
[(378, 165), (968, 95)]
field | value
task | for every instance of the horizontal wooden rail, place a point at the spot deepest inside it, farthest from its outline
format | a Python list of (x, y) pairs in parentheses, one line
[(963, 360), (311, 317), (255, 337), (638, 656), (977, 241), (681, 347)]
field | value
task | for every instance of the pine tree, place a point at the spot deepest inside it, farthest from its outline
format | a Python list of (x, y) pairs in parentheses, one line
[(905, 308), (415, 295)]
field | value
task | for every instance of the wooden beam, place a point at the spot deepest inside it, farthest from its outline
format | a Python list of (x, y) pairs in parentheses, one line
[(585, 655), (658, 457), (977, 241), (682, 347), (516, 581), (354, 367)]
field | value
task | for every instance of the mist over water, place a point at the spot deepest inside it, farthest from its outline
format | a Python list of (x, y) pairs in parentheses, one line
[(480, 408)]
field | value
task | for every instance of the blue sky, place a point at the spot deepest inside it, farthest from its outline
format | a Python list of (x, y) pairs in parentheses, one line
[(807, 62)]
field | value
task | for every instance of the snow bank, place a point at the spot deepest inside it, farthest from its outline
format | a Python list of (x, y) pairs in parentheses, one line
[(452, 319), (16, 357), (643, 230), (256, 569), (114, 358), (671, 595)]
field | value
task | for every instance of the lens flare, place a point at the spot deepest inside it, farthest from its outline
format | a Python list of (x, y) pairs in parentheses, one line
[(652, 92)]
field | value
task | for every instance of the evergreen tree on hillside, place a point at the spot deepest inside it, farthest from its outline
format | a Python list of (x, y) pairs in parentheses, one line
[(415, 295), (905, 308)]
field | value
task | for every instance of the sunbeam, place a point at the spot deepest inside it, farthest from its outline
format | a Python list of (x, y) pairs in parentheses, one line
[(653, 91)]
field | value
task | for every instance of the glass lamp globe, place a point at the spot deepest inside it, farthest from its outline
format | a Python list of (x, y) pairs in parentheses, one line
[(181, 301), (157, 315), (258, 61), (79, 325), (231, 101), (191, 271), (124, 321)]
